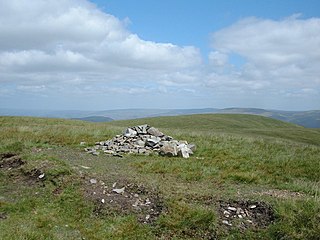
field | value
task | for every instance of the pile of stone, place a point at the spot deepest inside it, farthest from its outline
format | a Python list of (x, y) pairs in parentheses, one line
[(143, 139)]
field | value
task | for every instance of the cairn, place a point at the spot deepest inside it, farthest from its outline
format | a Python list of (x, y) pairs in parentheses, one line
[(143, 139)]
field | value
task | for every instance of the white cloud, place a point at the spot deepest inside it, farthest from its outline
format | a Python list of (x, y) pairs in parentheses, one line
[(70, 47), (64, 36), (218, 59), (282, 54)]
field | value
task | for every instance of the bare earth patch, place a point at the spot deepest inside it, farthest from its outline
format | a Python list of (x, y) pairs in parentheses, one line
[(124, 197), (245, 214), (10, 160)]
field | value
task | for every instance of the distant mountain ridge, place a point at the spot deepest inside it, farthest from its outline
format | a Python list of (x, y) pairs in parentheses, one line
[(310, 119)]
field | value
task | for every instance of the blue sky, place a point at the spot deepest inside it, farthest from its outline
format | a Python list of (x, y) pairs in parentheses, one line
[(96, 55)]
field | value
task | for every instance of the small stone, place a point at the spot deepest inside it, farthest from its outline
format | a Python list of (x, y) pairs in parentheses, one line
[(240, 216), (93, 181), (147, 201), (109, 152), (95, 153), (226, 213), (41, 176), (114, 184), (147, 217), (232, 209), (82, 143), (252, 206), (226, 223), (85, 167), (102, 200), (136, 195), (119, 190), (136, 204)]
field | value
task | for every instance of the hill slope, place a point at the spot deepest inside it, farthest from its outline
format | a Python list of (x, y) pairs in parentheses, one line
[(263, 169), (94, 119), (310, 119)]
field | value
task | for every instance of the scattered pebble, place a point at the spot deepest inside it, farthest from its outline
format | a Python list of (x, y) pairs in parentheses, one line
[(41, 176), (102, 200), (93, 181), (85, 167), (232, 209), (118, 190), (226, 223)]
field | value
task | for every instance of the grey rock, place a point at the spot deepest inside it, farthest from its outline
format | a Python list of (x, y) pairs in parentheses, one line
[(155, 132), (192, 147), (184, 150), (109, 152), (142, 129), (169, 150), (119, 190), (140, 143), (130, 133), (152, 141), (95, 153)]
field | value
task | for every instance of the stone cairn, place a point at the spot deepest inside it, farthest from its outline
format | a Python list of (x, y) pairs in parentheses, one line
[(145, 140)]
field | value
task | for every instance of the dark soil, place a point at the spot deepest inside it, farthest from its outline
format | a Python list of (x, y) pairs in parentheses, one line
[(3, 216), (10, 160), (13, 162), (245, 214), (146, 204)]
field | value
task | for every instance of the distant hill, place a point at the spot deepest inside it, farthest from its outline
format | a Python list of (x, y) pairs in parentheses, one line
[(94, 119), (309, 119)]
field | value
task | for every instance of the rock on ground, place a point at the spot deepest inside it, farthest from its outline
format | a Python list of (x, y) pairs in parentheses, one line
[(143, 139)]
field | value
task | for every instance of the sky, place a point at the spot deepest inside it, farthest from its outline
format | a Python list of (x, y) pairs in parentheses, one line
[(119, 54)]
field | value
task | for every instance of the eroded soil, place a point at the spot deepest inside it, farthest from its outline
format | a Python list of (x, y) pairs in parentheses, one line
[(245, 214), (124, 197)]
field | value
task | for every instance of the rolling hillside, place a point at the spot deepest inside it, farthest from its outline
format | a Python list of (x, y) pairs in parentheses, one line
[(251, 177), (309, 119)]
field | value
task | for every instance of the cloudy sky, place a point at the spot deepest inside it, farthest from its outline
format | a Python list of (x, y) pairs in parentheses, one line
[(100, 55)]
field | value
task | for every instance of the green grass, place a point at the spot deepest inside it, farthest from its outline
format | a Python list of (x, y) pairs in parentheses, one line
[(237, 157)]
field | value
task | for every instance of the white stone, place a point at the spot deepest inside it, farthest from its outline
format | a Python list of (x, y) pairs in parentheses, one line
[(130, 133), (226, 223), (119, 190), (93, 181), (232, 209), (41, 176)]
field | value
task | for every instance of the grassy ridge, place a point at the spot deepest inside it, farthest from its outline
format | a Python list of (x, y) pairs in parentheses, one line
[(240, 124), (238, 157)]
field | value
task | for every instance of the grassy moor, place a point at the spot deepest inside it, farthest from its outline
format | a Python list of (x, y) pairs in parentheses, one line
[(251, 177)]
